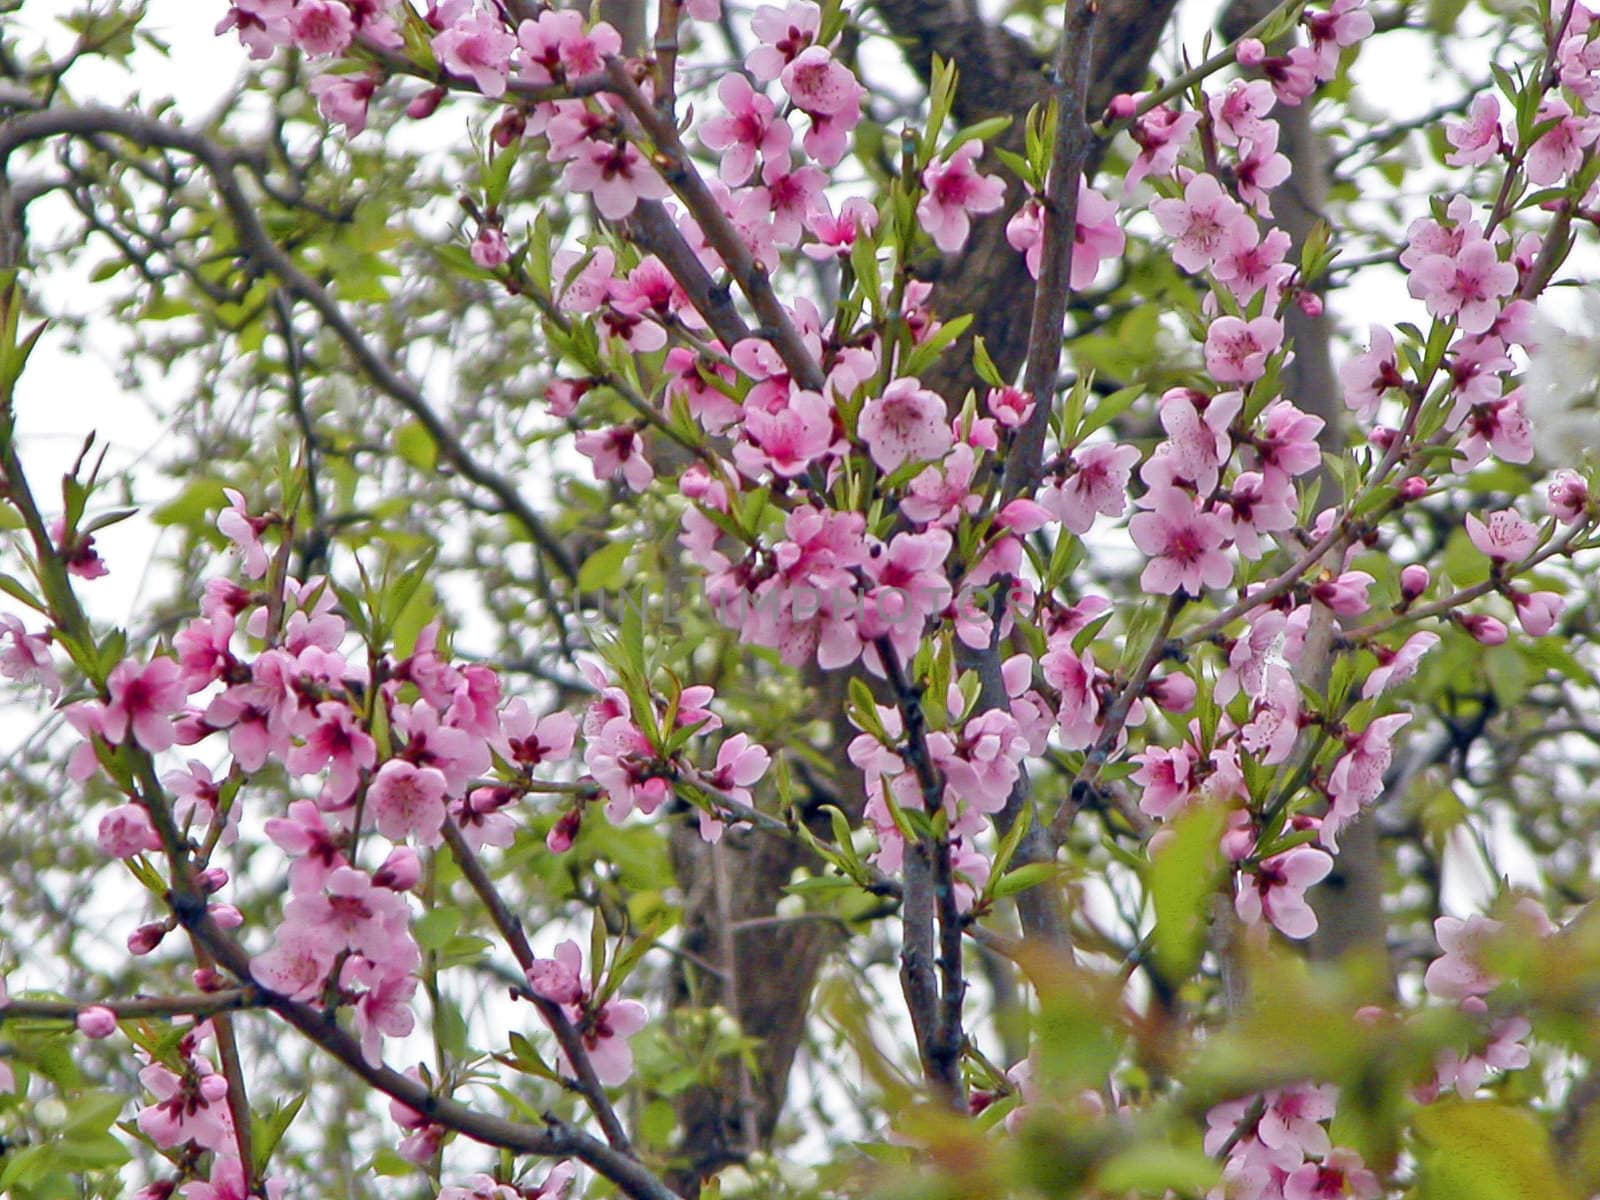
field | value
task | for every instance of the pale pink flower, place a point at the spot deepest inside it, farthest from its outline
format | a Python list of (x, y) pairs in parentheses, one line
[(322, 27), (25, 656), (1277, 889), (125, 831), (1239, 112), (1098, 484), (408, 802), (905, 424), (1340, 1175), (1507, 537), (477, 46), (342, 99), (1538, 612), (819, 84), (616, 174), (1202, 223), (1568, 495), (784, 33), (1368, 376), (1468, 286), (1199, 439), (1476, 139), (97, 1022), (1237, 350), (617, 451), (1396, 666), (144, 699), (1161, 135), (1560, 151)]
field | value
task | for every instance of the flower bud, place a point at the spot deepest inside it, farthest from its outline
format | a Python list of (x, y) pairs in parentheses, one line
[(208, 979), (97, 1022), (1250, 52), (1382, 437), (1414, 580), (400, 871), (1569, 497), (1310, 303), (1174, 693), (426, 104), (564, 832), (1487, 631), (1413, 487), (1538, 612), (1122, 107), (146, 938), (212, 880), (226, 915)]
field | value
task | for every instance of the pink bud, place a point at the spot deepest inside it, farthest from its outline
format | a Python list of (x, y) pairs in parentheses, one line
[(1023, 516), (1122, 107), (509, 127), (97, 1022), (1569, 497), (1173, 693), (1009, 406), (400, 871), (1538, 612), (1414, 580), (1413, 487), (208, 979), (212, 880), (146, 938), (564, 832), (1488, 631), (1310, 303), (1382, 437), (426, 104), (1250, 52), (226, 916)]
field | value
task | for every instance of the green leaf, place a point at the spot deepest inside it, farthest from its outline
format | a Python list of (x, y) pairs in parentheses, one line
[(1485, 1150), (414, 444), (603, 570), (1182, 878), (433, 930), (1152, 1170)]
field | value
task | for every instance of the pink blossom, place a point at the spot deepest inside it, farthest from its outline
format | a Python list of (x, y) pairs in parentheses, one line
[(408, 802), (1161, 135), (1459, 971), (1183, 545), (1275, 722), (1202, 224), (1097, 237), (1538, 612), (97, 1022), (1098, 483), (616, 174), (836, 236), (819, 84), (1476, 139), (322, 27), (479, 47), (144, 699), (617, 451), (1344, 24), (1561, 150), (352, 912), (125, 831), (1368, 376), (556, 46), (1345, 594), (1199, 438), (1508, 536), (749, 127), (337, 741), (1260, 168), (952, 192), (905, 424), (1237, 350), (25, 656), (604, 1028), (1396, 666), (1339, 1175), (1277, 891), (784, 33), (1009, 406), (1250, 263), (1467, 286), (489, 248), (942, 492), (1357, 778), (1239, 113), (187, 1108), (1288, 442), (1568, 495), (343, 99), (1254, 505)]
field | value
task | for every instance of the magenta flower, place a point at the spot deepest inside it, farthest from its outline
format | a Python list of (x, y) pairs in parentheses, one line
[(953, 191), (751, 126), (335, 740), (144, 699), (1183, 543)]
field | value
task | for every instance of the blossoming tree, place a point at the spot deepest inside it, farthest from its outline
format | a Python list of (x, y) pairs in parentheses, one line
[(799, 599)]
